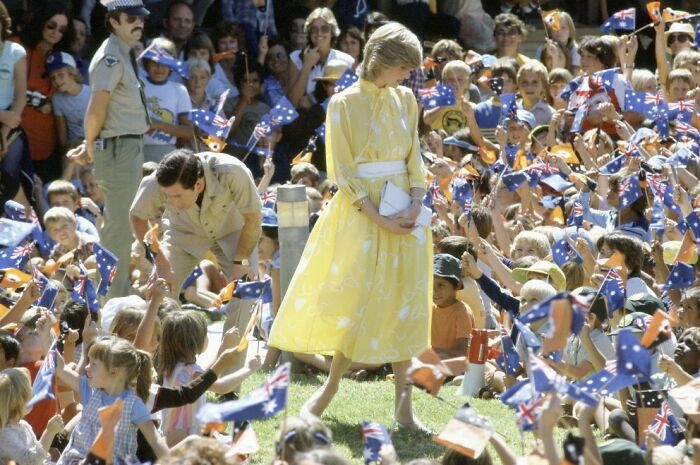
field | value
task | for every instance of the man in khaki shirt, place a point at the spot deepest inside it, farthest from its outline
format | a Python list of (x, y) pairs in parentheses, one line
[(209, 202)]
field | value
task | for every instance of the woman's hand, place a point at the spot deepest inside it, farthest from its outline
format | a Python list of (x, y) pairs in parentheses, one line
[(311, 57), (396, 225), (410, 214)]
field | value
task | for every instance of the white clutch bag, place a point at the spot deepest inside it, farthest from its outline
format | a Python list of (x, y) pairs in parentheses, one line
[(395, 200)]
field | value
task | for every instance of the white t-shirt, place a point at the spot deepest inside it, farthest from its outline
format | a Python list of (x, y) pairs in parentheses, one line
[(166, 101), (317, 71), (72, 108), (11, 54)]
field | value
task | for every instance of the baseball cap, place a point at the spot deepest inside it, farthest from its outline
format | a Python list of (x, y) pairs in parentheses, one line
[(58, 60), (524, 116)]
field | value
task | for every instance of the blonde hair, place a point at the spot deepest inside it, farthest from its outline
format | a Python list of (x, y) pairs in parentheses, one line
[(183, 336), (566, 18), (641, 78), (117, 353), (325, 14), (304, 169), (315, 199), (126, 322), (456, 67), (680, 74), (536, 239), (575, 275), (55, 214), (198, 63), (687, 59), (390, 46), (61, 187), (536, 68), (537, 289), (15, 392)]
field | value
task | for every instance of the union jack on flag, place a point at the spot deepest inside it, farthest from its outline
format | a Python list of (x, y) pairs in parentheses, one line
[(374, 436), (268, 199), (665, 425), (279, 379)]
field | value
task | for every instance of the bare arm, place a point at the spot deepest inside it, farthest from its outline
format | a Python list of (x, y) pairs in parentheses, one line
[(144, 333), (660, 52), (250, 234), (95, 118), (67, 376), (503, 450), (183, 130), (154, 439)]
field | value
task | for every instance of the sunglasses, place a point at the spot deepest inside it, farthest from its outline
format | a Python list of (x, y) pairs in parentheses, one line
[(131, 19), (681, 38), (51, 26), (325, 29), (511, 32)]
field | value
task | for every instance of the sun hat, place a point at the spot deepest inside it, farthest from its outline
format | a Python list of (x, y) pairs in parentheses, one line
[(333, 70), (680, 28), (448, 267), (555, 275)]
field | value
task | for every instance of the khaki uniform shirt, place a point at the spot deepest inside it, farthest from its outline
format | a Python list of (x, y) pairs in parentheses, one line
[(111, 70), (229, 194)]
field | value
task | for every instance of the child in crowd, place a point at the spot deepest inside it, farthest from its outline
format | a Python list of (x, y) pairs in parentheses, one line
[(115, 370), (532, 84), (168, 104), (70, 100), (61, 193), (61, 226), (201, 47), (452, 321), (557, 79), (17, 440), (247, 108)]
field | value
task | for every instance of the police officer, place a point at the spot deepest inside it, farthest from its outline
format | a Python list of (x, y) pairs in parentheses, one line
[(115, 122)]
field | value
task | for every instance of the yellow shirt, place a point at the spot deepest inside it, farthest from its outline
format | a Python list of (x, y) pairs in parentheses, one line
[(450, 118)]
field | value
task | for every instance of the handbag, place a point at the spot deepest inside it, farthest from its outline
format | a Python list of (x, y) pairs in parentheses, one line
[(395, 200)]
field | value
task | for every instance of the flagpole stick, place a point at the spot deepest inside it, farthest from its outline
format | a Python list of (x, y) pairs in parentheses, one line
[(546, 29), (694, 15), (284, 427), (267, 20), (249, 151), (196, 142)]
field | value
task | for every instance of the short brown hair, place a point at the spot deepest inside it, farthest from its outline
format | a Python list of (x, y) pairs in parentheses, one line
[(228, 29), (304, 169), (630, 247), (483, 221), (61, 187), (5, 23)]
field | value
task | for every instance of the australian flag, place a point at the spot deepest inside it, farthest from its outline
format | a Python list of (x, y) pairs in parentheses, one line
[(642, 102), (613, 166), (514, 179), (681, 276), (462, 192), (345, 80), (269, 199), (42, 387), (613, 289), (632, 358), (280, 115), (630, 191), (211, 123), (693, 221), (12, 233), (530, 339), (189, 280), (623, 20), (107, 267), (509, 360), (439, 96), (374, 436), (665, 425), (84, 291), (576, 216), (16, 257), (264, 402), (563, 253), (546, 379), (49, 290), (160, 56), (252, 290)]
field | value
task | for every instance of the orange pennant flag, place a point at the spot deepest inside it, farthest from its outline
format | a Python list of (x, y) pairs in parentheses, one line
[(659, 330), (53, 266), (104, 442), (151, 238), (214, 143), (487, 156), (224, 55), (444, 184), (243, 345), (226, 294), (670, 14), (685, 251), (302, 157), (429, 372), (566, 152), (14, 278), (615, 260), (466, 432), (654, 10), (557, 216), (551, 19)]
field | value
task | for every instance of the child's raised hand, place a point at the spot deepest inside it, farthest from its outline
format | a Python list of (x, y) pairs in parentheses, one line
[(156, 288), (89, 331), (268, 167), (469, 266), (55, 425), (231, 338), (501, 136), (549, 417), (72, 337), (255, 363), (31, 292)]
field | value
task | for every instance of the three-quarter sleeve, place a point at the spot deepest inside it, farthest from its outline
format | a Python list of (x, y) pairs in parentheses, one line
[(340, 160), (414, 162)]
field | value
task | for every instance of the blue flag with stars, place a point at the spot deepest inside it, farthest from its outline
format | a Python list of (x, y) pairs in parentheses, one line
[(374, 436), (345, 80), (251, 290), (189, 280), (632, 358), (630, 191), (16, 257), (666, 426), (624, 20), (42, 387), (264, 402), (12, 233), (613, 289), (211, 123), (514, 179), (84, 291), (509, 360), (160, 56), (613, 166), (106, 266), (681, 276), (563, 253), (439, 96)]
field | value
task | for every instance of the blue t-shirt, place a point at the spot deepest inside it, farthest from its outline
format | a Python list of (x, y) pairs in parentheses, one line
[(487, 114), (72, 108)]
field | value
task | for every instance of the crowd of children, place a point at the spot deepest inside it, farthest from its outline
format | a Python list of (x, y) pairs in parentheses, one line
[(566, 179)]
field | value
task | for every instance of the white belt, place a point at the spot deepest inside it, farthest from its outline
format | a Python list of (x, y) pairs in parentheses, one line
[(380, 168)]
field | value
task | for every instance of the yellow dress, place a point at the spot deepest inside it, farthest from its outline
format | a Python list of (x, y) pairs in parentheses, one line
[(360, 289)]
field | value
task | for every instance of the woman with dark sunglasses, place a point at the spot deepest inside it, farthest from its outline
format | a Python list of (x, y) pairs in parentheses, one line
[(49, 30), (679, 37)]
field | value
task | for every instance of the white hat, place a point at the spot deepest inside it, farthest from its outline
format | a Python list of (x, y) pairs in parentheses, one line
[(130, 7)]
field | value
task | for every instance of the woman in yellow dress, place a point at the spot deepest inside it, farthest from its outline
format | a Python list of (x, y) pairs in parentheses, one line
[(362, 290)]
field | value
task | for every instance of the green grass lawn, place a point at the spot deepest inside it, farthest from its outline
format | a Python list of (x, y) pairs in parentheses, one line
[(358, 401)]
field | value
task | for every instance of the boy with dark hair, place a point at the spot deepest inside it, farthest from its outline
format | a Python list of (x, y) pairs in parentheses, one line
[(452, 321)]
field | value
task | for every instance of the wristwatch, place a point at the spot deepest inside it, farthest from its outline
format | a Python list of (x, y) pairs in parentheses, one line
[(243, 262)]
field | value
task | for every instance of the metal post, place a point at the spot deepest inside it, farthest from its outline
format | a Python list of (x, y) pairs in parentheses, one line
[(293, 220)]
